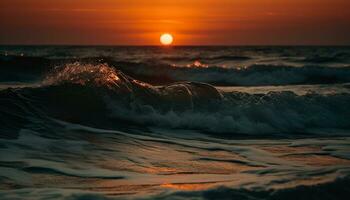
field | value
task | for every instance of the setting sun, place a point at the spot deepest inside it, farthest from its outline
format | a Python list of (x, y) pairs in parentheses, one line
[(166, 39)]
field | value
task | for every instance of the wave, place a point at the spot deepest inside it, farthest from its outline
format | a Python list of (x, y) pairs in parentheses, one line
[(209, 58), (34, 69), (337, 57), (101, 96), (253, 75)]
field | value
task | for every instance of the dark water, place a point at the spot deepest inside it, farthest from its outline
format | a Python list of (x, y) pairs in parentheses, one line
[(174, 123)]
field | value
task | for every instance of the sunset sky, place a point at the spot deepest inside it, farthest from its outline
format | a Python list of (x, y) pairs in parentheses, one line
[(192, 22)]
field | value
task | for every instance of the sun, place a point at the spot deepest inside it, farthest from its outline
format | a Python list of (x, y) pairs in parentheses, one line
[(166, 39)]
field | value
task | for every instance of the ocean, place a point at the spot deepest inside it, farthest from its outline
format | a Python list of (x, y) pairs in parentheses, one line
[(215, 122)]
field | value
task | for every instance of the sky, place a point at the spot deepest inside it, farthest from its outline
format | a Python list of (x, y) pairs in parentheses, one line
[(191, 22)]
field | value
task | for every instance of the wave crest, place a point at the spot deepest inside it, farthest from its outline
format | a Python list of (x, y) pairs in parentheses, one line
[(100, 75)]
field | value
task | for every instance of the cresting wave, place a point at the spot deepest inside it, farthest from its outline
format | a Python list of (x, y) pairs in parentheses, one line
[(102, 96)]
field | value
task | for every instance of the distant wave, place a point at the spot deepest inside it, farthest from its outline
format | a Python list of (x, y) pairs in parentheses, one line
[(219, 57), (99, 95), (253, 75), (338, 57)]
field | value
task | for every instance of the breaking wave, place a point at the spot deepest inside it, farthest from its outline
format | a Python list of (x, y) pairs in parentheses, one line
[(102, 96)]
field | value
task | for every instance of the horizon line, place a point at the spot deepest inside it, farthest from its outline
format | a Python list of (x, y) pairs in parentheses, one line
[(170, 46)]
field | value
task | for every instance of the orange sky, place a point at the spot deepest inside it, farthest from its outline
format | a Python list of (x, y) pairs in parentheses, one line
[(192, 22)]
